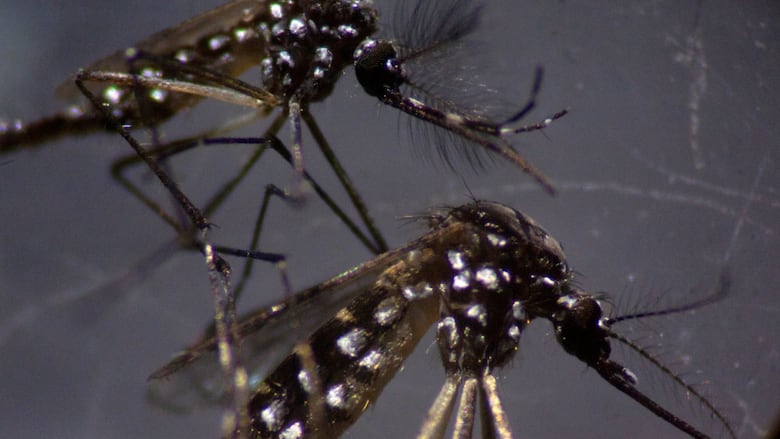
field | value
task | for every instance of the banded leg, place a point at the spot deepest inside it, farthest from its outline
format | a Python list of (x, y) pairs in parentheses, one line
[(235, 417), (440, 412)]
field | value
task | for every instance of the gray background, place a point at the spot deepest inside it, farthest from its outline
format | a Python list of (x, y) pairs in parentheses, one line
[(640, 213)]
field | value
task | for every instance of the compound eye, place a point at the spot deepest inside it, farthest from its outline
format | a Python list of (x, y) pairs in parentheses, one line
[(377, 70), (579, 330), (586, 313)]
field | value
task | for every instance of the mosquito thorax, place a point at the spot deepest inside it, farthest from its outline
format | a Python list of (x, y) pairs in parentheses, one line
[(310, 43), (377, 68), (531, 252), (508, 272)]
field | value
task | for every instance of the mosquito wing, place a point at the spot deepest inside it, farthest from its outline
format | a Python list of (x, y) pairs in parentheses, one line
[(190, 36), (192, 378)]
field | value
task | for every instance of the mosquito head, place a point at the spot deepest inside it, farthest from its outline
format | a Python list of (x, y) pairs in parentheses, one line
[(377, 68), (581, 327)]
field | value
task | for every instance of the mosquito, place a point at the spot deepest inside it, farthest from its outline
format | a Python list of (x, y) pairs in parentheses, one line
[(301, 49), (480, 275)]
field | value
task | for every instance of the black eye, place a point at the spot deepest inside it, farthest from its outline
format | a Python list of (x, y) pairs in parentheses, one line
[(579, 332), (376, 70)]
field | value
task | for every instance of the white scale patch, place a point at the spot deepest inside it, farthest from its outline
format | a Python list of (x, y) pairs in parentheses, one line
[(276, 10), (456, 260), (478, 313), (305, 381), (149, 72), (352, 342), (488, 278), (346, 31), (294, 431), (158, 95), (323, 56), (419, 291), (514, 333), (184, 56), (273, 415), (548, 281), (496, 240), (113, 94), (388, 311), (517, 311), (286, 59), (568, 302), (454, 119), (448, 329), (371, 360), (462, 280), (297, 27), (218, 41), (336, 396), (243, 34)]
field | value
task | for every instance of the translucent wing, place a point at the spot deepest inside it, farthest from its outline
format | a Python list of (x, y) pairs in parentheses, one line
[(192, 378), (218, 21)]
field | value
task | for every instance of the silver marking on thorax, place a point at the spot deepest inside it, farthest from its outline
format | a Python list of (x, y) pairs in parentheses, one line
[(487, 277)]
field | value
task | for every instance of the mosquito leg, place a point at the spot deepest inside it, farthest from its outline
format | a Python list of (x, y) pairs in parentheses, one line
[(279, 147), (309, 367), (295, 113), (379, 243), (235, 416), (37, 133), (487, 423), (494, 420), (173, 85), (464, 420), (318, 417), (218, 270), (176, 147), (198, 220), (166, 150), (270, 191), (440, 412), (266, 141), (276, 145), (173, 148), (228, 89), (117, 173)]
